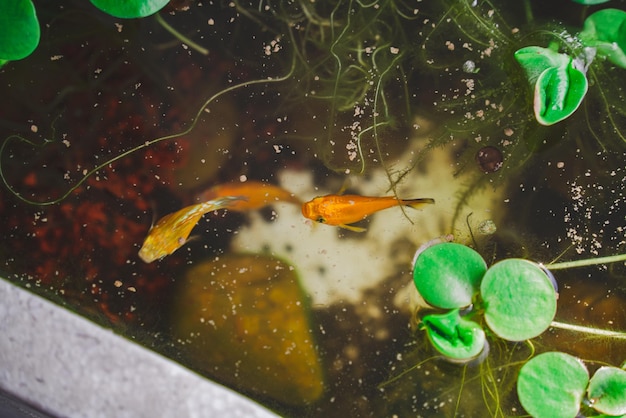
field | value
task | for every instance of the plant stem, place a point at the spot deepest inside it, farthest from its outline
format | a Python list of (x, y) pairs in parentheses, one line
[(180, 36), (587, 262), (528, 11), (589, 330)]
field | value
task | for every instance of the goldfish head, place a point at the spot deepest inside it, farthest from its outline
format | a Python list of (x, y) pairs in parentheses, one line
[(149, 251), (310, 211)]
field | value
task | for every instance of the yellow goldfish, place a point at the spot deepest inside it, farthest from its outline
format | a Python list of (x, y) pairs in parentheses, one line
[(341, 210), (257, 194), (172, 231)]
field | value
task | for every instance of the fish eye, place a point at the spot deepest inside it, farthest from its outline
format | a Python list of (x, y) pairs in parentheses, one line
[(321, 220)]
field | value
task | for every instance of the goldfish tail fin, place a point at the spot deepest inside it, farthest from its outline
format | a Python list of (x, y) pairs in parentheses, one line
[(417, 203), (227, 201)]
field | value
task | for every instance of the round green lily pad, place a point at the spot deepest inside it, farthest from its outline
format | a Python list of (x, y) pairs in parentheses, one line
[(520, 301), (448, 274), (19, 29), (454, 336), (607, 391), (552, 385), (130, 9)]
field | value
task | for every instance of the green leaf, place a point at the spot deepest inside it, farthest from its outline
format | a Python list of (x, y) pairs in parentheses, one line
[(607, 391), (19, 29), (558, 86), (552, 385), (520, 301), (558, 93), (454, 336), (605, 30), (130, 9), (535, 60), (590, 2), (447, 275)]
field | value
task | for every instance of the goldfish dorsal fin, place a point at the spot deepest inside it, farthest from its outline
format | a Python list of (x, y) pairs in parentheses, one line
[(344, 186), (154, 214)]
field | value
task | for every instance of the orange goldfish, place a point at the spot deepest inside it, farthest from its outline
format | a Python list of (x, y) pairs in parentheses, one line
[(172, 231), (257, 194), (341, 210)]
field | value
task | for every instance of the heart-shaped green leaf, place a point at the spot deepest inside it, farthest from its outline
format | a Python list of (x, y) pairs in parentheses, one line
[(454, 336), (552, 385), (19, 29), (520, 301), (448, 274), (607, 391), (130, 9)]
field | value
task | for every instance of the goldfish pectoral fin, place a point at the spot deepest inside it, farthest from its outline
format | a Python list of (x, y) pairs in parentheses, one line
[(352, 228), (311, 223), (417, 203), (189, 239)]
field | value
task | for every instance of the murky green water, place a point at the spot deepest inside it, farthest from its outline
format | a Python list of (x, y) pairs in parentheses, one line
[(408, 98)]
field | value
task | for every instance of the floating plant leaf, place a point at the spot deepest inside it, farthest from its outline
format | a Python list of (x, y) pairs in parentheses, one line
[(552, 385), (520, 301), (558, 93), (454, 336), (19, 29), (605, 30), (130, 9), (448, 274), (590, 2), (559, 87), (535, 60), (607, 391)]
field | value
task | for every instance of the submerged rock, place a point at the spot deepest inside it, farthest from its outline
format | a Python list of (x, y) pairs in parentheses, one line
[(244, 320)]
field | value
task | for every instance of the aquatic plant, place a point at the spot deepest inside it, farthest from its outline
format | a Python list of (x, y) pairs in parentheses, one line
[(353, 61), (558, 79), (346, 59), (516, 300), (19, 26), (553, 385), (19, 30), (478, 86), (145, 145), (130, 9)]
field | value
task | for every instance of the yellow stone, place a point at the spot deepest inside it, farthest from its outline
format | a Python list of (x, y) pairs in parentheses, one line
[(244, 320)]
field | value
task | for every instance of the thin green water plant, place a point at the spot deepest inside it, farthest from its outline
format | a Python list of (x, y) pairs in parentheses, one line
[(349, 62), (201, 110), (353, 62), (483, 57)]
